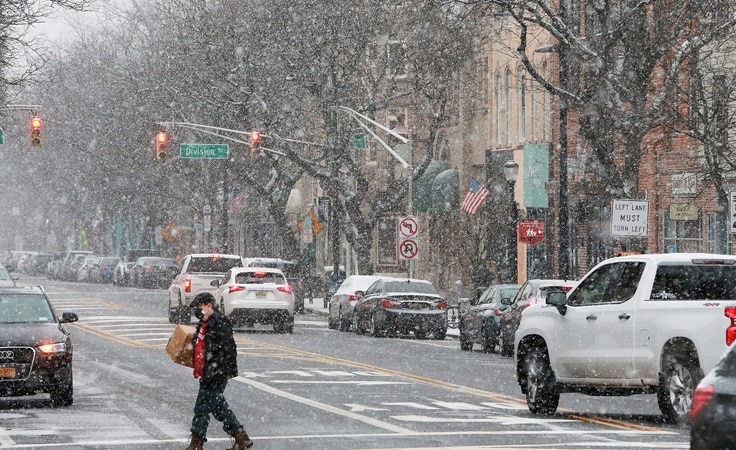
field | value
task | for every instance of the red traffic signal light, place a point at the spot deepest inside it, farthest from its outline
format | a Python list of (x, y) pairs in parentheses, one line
[(162, 145), (255, 141), (36, 125)]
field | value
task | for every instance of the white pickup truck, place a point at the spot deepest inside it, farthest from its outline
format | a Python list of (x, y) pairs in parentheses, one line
[(197, 272), (635, 324)]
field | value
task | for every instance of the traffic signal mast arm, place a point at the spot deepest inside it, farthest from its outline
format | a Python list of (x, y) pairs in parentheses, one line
[(205, 129)]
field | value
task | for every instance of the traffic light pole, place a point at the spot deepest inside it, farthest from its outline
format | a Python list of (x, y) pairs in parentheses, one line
[(206, 130)]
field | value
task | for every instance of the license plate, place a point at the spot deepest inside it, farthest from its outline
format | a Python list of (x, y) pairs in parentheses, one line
[(7, 372), (260, 294)]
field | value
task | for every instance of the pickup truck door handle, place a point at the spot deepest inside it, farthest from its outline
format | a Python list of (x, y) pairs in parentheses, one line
[(624, 316), (592, 317)]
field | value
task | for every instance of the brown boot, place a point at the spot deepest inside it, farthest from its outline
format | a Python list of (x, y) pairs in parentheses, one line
[(241, 439), (197, 442)]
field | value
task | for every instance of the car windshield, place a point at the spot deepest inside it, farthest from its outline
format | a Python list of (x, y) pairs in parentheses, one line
[(24, 308), (409, 287), (259, 278), (213, 264)]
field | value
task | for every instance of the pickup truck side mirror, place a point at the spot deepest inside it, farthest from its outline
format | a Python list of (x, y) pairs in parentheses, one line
[(558, 300)]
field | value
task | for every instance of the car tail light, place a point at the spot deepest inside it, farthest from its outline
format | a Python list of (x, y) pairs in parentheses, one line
[(236, 288), (498, 312), (286, 289), (148, 269), (730, 312), (567, 287), (187, 285), (440, 305), (353, 298), (702, 396), (386, 303)]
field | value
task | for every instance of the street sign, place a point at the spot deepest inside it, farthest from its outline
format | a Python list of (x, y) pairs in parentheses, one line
[(2, 141), (408, 238), (732, 210), (204, 151), (408, 249), (630, 218), (360, 142)]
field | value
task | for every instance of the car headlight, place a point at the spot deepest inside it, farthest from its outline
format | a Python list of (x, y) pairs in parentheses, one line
[(59, 347)]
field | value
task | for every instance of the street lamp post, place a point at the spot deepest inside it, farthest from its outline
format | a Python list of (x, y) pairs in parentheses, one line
[(511, 173)]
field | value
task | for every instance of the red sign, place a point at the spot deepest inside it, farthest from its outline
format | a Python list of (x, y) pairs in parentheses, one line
[(531, 232)]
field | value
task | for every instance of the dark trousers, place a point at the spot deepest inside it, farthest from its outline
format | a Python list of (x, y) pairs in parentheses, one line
[(211, 400)]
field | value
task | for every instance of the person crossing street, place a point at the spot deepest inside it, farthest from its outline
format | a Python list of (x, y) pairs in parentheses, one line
[(215, 362)]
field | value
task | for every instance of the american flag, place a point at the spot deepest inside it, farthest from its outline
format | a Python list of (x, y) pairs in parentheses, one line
[(477, 194), (236, 199)]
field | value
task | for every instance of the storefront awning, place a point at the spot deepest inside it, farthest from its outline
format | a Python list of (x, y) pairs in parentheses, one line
[(437, 188)]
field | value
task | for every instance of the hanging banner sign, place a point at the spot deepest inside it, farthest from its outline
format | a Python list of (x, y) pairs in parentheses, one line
[(531, 232)]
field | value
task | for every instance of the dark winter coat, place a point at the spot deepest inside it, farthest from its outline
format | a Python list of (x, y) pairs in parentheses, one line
[(221, 361)]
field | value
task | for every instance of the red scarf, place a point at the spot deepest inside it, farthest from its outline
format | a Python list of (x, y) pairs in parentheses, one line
[(199, 352)]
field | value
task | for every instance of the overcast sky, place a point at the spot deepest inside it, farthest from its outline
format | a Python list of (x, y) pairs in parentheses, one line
[(62, 24)]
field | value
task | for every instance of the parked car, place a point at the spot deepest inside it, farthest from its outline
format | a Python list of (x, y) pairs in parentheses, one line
[(291, 271), (401, 305), (72, 262), (150, 272), (480, 321), (250, 295), (712, 418), (35, 347), (88, 269), (39, 264), (107, 268), (6, 280), (341, 304), (121, 273), (531, 292)]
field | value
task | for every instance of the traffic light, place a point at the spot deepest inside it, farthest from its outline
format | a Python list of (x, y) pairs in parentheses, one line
[(36, 125), (255, 142), (162, 145)]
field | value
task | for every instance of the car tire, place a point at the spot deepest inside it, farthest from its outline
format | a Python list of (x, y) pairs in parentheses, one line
[(464, 344), (185, 313), (375, 331), (542, 396), (677, 382), (343, 324), (440, 334), (489, 341), (357, 327), (174, 315), (506, 348), (63, 396)]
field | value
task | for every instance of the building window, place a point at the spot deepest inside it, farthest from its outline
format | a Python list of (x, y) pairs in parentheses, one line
[(522, 104), (547, 107), (396, 59), (533, 105), (509, 96), (387, 241), (719, 238), (483, 77), (681, 236), (499, 109)]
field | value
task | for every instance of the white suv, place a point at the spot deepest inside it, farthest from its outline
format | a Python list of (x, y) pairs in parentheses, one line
[(256, 295)]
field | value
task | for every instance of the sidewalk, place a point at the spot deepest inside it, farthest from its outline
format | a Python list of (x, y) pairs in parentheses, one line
[(316, 306)]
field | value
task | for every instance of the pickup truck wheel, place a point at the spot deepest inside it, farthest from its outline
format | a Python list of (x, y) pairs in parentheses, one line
[(677, 383), (185, 314), (174, 315), (489, 341), (541, 394), (440, 334), (374, 330)]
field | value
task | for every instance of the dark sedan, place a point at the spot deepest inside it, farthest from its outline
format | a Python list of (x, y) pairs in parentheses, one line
[(152, 272), (401, 305), (531, 292), (713, 409), (480, 322), (35, 346)]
